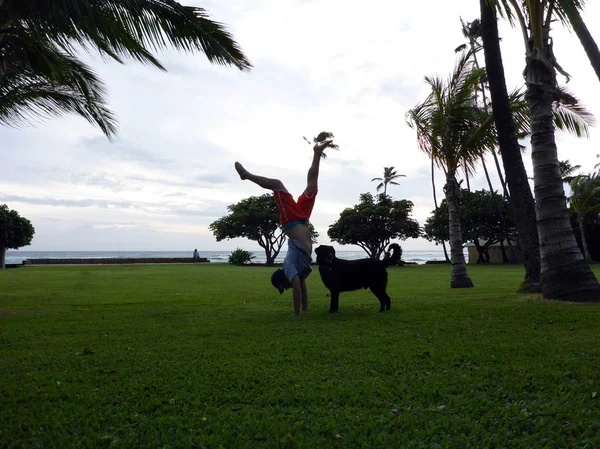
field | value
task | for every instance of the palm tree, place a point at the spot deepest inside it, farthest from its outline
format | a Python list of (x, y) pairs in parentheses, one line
[(39, 39), (567, 170), (450, 129), (565, 274), (389, 174), (585, 200), (322, 138), (446, 258), (53, 85), (472, 31)]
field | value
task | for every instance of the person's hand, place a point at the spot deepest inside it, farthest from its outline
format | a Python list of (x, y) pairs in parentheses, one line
[(321, 146)]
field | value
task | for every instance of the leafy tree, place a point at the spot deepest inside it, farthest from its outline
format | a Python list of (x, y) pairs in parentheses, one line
[(454, 132), (15, 232), (585, 201), (373, 223), (40, 75), (255, 218), (478, 222), (565, 274), (389, 174)]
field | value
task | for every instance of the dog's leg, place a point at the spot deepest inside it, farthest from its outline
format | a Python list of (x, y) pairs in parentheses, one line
[(334, 304), (384, 299)]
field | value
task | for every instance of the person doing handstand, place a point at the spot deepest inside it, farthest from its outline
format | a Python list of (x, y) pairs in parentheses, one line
[(293, 217)]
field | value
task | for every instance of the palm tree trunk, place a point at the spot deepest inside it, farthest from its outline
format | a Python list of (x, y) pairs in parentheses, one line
[(436, 206), (459, 277), (512, 257), (2, 257), (584, 245), (521, 199), (566, 275), (585, 37), (501, 177)]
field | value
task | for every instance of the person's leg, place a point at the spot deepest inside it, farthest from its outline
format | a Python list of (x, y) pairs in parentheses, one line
[(265, 183), (313, 172), (304, 295)]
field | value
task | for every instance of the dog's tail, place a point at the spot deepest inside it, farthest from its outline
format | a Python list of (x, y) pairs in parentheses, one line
[(394, 258)]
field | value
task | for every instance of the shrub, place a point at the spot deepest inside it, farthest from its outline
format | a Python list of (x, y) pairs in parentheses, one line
[(240, 257)]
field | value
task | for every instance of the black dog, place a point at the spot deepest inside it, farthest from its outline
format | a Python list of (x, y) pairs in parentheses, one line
[(341, 275)]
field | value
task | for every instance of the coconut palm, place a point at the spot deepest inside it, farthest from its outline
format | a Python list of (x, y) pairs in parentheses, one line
[(389, 174), (567, 171), (565, 274), (446, 258), (53, 85), (39, 40), (521, 198), (451, 130), (585, 200), (323, 137), (472, 31)]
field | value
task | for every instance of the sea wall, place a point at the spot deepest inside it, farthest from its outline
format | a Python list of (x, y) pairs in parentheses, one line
[(111, 261)]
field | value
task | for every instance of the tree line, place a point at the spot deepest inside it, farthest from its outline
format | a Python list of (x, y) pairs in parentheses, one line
[(41, 76)]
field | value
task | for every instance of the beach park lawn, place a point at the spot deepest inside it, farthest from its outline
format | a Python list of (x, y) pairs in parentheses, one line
[(210, 356)]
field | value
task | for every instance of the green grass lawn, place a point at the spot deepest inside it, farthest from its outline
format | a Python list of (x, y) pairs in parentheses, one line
[(211, 356)]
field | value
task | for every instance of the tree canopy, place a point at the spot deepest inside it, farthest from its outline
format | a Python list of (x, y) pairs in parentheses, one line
[(15, 231), (41, 75), (478, 221), (374, 222), (255, 218)]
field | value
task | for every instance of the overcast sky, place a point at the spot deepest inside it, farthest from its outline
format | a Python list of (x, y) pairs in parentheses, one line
[(318, 65)]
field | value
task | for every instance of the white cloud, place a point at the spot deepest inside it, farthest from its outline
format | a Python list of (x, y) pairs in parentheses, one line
[(319, 65)]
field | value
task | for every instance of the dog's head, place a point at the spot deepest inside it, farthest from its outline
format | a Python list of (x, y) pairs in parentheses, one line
[(325, 254)]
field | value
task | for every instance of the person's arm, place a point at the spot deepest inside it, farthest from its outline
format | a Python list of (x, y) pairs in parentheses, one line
[(304, 295), (297, 288)]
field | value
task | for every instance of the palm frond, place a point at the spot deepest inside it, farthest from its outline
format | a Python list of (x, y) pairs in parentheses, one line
[(451, 128), (54, 84), (323, 136), (128, 28), (570, 115), (565, 8)]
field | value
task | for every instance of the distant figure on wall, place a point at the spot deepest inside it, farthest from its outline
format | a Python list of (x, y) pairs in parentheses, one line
[(196, 256)]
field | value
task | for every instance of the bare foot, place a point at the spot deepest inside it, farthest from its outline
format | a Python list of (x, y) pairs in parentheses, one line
[(241, 170)]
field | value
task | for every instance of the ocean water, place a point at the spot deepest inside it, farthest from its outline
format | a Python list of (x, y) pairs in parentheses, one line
[(18, 256)]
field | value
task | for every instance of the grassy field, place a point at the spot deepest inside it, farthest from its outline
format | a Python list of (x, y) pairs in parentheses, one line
[(211, 356)]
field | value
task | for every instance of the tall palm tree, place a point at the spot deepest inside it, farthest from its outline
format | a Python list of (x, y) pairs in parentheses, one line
[(389, 174), (472, 31), (37, 38), (450, 129), (446, 258), (565, 274), (585, 200)]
